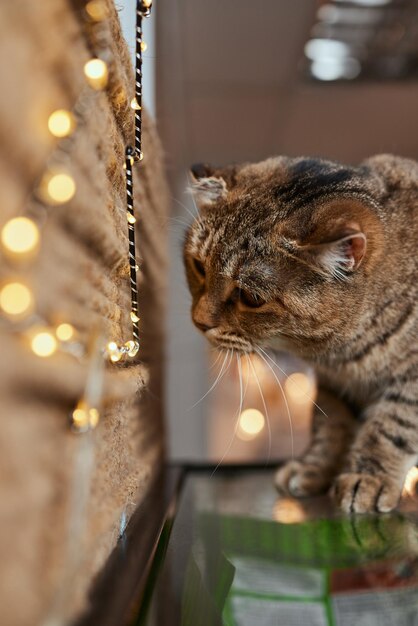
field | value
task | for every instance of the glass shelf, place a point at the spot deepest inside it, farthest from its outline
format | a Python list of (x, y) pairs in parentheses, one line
[(237, 554)]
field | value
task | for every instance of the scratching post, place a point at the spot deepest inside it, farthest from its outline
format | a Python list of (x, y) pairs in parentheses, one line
[(81, 433)]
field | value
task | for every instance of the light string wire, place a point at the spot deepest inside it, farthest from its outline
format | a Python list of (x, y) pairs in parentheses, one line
[(20, 236), (133, 155), (132, 247)]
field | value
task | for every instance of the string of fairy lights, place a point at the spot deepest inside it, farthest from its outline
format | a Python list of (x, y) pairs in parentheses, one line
[(20, 236)]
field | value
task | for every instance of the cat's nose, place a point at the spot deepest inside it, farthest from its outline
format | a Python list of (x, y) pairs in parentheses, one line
[(203, 327)]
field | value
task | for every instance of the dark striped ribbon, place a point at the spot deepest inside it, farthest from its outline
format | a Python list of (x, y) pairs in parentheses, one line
[(131, 235), (138, 80), (143, 9)]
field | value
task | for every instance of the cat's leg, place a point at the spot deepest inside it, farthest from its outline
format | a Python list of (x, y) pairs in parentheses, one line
[(385, 448), (333, 428)]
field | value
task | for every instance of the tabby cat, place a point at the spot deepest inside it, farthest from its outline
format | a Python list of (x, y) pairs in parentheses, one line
[(320, 259)]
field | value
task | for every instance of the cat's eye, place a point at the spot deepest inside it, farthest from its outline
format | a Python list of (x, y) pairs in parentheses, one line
[(199, 268), (251, 300)]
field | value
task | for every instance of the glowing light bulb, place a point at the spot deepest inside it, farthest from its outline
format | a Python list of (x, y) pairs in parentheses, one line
[(96, 73), (134, 317), (113, 351), (61, 123), (80, 418), (131, 219), (251, 423), (144, 46), (84, 417), (299, 388), (96, 10), (64, 332), (57, 187), (43, 343), (16, 299), (20, 235), (134, 105), (132, 347)]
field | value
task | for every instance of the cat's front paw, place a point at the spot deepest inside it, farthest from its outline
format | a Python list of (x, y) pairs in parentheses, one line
[(363, 493), (302, 479)]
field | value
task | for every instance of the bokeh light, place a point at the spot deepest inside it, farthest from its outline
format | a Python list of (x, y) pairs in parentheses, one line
[(251, 423), (64, 332), (43, 343), (61, 123), (16, 300), (411, 482), (299, 388), (288, 511), (97, 10), (96, 73), (58, 187), (20, 235)]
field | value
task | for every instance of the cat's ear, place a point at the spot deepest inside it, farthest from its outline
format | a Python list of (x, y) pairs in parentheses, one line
[(339, 255), (208, 186)]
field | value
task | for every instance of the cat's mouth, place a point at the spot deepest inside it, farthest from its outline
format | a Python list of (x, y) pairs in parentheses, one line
[(229, 341)]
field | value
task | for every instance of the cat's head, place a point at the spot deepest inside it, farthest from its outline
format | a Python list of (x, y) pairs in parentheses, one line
[(282, 252)]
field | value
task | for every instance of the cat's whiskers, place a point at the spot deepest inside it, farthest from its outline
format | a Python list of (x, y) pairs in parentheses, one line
[(218, 378), (216, 360), (264, 405), (260, 352), (241, 402), (197, 216), (177, 224), (179, 220), (186, 208), (240, 355), (287, 376)]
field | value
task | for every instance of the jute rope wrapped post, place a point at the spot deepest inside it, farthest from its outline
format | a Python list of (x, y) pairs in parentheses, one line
[(77, 276), (56, 187)]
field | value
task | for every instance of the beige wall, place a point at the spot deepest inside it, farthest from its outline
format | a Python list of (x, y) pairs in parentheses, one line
[(230, 89)]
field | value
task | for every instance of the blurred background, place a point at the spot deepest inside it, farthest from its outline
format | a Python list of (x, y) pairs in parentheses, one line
[(239, 80)]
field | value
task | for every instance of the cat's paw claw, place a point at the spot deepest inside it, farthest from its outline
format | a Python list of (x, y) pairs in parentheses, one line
[(301, 480), (363, 493)]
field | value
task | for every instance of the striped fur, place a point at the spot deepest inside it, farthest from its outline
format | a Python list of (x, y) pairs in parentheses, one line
[(321, 259)]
